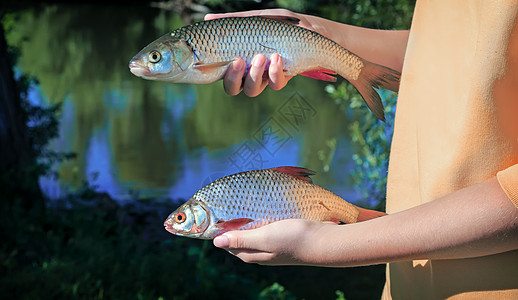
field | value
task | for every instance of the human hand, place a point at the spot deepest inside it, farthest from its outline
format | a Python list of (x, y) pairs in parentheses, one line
[(286, 242), (257, 79)]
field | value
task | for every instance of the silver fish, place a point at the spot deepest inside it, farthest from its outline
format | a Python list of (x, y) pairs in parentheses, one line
[(255, 198), (201, 53)]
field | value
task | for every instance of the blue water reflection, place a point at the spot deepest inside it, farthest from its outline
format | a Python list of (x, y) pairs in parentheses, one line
[(195, 168), (204, 167), (99, 164)]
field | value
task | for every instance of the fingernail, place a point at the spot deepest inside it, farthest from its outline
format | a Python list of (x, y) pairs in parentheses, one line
[(239, 65), (259, 60), (221, 241), (276, 58)]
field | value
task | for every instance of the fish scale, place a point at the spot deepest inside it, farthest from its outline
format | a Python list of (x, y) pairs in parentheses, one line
[(252, 199), (266, 36)]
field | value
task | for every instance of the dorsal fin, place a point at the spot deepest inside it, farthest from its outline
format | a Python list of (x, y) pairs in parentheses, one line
[(283, 19), (300, 173)]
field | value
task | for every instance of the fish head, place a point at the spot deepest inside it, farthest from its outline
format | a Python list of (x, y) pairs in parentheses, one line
[(191, 219), (166, 59)]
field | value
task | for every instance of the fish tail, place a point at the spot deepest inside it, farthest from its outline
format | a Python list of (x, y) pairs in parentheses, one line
[(367, 214), (374, 76)]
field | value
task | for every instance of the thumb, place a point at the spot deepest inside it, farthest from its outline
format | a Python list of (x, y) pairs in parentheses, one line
[(221, 241), (251, 239)]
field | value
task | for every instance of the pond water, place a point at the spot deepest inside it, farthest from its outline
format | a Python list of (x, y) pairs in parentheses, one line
[(137, 138)]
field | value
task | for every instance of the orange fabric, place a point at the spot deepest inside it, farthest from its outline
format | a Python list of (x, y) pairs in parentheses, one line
[(456, 125)]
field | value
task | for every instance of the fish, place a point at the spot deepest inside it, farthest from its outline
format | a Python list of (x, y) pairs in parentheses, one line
[(201, 52), (252, 199)]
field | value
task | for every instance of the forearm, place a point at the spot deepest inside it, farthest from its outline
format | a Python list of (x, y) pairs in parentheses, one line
[(383, 47), (476, 221)]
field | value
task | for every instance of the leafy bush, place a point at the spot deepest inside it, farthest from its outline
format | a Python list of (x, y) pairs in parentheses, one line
[(372, 139), (104, 251), (379, 14), (276, 292)]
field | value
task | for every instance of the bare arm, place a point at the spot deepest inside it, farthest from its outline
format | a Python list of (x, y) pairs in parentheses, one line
[(476, 221), (384, 47)]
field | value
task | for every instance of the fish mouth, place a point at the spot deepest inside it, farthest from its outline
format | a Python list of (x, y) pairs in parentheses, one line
[(138, 69), (168, 224)]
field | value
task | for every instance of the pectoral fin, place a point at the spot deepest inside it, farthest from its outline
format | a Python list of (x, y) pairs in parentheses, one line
[(232, 224), (367, 214), (320, 74), (208, 67)]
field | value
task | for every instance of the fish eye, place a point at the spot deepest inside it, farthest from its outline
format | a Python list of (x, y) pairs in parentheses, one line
[(179, 217), (155, 56)]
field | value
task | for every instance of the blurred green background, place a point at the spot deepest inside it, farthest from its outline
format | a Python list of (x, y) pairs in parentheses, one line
[(110, 155)]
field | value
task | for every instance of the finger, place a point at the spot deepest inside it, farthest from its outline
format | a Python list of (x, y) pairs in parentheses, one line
[(233, 79), (270, 12), (330, 222), (233, 14), (252, 240), (277, 79), (253, 256), (221, 241), (254, 83)]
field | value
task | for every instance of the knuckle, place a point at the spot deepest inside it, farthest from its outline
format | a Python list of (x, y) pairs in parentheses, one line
[(236, 242)]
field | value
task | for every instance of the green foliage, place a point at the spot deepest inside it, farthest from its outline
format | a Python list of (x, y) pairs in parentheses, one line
[(19, 184), (371, 138), (275, 292), (379, 14), (42, 127), (340, 295), (111, 258)]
